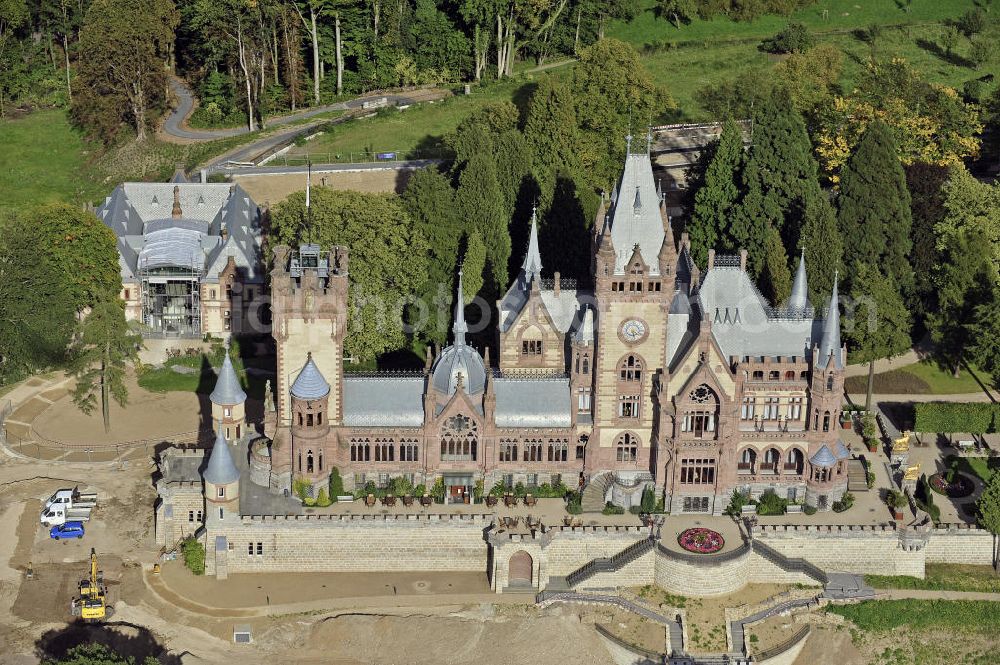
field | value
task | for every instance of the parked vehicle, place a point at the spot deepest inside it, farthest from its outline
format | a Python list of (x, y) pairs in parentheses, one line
[(67, 505), (72, 498), (67, 530)]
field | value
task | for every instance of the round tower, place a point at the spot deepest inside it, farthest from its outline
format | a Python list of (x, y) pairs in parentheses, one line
[(229, 402), (222, 484), (310, 395)]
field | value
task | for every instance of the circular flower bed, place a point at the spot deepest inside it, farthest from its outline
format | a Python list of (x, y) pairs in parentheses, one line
[(701, 540), (962, 485)]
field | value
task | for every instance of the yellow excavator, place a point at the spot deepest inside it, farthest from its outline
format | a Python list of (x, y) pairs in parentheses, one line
[(92, 603)]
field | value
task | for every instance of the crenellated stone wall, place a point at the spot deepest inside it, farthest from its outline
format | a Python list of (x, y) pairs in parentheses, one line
[(960, 544), (853, 549)]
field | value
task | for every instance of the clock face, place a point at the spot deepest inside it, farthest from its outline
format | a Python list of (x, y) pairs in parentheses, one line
[(633, 330)]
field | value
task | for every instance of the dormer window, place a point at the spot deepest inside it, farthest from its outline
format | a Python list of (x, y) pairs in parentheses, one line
[(531, 347)]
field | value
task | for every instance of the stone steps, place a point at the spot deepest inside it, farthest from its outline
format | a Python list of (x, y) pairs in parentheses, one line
[(857, 477), (592, 500)]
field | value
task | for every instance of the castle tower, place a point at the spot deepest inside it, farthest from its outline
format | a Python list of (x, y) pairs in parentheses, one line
[(581, 370), (827, 385), (222, 484), (310, 425), (634, 264), (229, 401), (309, 313)]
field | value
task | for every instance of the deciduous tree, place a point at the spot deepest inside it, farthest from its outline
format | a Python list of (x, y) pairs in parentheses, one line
[(124, 45), (988, 514)]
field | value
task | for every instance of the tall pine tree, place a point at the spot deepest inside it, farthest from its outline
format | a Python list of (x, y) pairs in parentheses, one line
[(716, 198), (777, 277), (874, 207), (824, 250), (479, 198)]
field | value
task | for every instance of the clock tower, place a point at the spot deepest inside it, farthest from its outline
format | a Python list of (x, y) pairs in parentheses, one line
[(634, 266)]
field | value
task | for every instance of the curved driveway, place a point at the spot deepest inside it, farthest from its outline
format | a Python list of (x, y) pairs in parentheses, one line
[(175, 123)]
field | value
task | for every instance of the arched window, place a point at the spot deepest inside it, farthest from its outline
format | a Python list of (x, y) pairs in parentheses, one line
[(790, 375), (631, 368), (794, 461), (829, 382), (459, 435), (309, 461), (320, 460), (772, 458), (300, 420), (701, 418), (319, 418), (826, 421), (586, 366), (309, 420), (748, 461), (627, 448), (300, 461)]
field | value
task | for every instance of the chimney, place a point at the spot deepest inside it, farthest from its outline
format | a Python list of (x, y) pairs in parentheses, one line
[(685, 242), (555, 285), (743, 260), (176, 213), (204, 176), (711, 259)]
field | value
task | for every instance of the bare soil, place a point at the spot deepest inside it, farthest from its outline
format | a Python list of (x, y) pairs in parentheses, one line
[(636, 630), (831, 645), (271, 189), (706, 617)]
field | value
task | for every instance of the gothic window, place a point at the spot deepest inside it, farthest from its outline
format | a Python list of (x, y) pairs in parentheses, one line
[(533, 451), (309, 461), (758, 375), (459, 439), (531, 347), (771, 460), (508, 451), (408, 452), (300, 462), (789, 375), (360, 451), (771, 405), (626, 448), (829, 382), (826, 421), (773, 375), (384, 451), (320, 460), (319, 418), (586, 366), (557, 451), (631, 369), (749, 408), (309, 420), (794, 461), (583, 400)]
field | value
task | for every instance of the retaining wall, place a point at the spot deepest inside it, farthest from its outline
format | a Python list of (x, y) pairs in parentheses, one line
[(960, 545)]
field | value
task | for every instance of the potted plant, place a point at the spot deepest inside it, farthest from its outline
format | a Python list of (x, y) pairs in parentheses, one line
[(897, 501), (845, 420)]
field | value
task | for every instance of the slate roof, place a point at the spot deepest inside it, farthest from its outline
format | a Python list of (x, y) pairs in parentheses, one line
[(228, 391), (532, 402), (840, 450), (140, 214), (823, 458), (391, 401), (221, 469), (459, 359), (743, 323), (310, 383), (830, 345), (635, 214)]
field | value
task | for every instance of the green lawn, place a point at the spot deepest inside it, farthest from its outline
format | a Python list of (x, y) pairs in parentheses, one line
[(884, 615), (709, 52), (924, 377), (951, 577), (44, 160)]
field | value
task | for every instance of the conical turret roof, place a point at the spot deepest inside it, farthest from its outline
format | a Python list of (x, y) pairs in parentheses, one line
[(310, 383), (532, 265), (799, 300), (228, 391), (830, 344), (221, 470)]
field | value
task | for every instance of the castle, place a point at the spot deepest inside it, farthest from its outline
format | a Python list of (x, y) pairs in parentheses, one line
[(660, 376)]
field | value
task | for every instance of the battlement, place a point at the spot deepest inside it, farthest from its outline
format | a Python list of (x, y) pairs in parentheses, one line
[(835, 529), (477, 518)]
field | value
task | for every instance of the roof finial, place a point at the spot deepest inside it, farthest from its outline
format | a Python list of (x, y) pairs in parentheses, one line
[(460, 328), (628, 144), (176, 212), (649, 139)]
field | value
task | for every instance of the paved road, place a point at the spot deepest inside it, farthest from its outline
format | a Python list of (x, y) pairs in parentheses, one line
[(927, 594), (329, 168), (174, 123)]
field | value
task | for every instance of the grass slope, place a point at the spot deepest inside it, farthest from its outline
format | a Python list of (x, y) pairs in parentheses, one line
[(942, 577), (924, 377), (956, 615)]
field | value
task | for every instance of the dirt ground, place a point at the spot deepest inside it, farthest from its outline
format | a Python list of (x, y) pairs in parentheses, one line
[(272, 189), (147, 416), (635, 629), (831, 645)]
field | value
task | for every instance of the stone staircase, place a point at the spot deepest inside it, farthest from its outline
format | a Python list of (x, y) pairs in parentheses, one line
[(610, 564), (790, 564), (857, 476), (592, 500)]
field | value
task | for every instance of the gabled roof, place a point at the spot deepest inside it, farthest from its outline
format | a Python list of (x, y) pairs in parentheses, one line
[(221, 469), (310, 383), (532, 402), (228, 391), (635, 214), (390, 401)]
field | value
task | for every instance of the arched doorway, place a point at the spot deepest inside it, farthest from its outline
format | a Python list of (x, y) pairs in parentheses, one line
[(520, 569)]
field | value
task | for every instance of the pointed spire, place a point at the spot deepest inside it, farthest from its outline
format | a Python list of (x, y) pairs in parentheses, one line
[(532, 265), (176, 213), (799, 299), (310, 383), (649, 140), (628, 145), (228, 391), (830, 344), (459, 328), (221, 470), (586, 332)]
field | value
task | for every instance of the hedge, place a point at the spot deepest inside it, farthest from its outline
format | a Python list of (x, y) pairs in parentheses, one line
[(951, 417)]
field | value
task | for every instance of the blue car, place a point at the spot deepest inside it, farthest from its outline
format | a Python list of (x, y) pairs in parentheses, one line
[(67, 530)]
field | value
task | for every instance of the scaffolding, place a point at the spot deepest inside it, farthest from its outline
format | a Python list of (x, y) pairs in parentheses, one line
[(171, 299)]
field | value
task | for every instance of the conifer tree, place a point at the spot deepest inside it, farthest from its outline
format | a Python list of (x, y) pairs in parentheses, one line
[(874, 207), (550, 128), (473, 265), (716, 198), (479, 198), (777, 277), (824, 250)]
